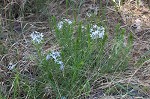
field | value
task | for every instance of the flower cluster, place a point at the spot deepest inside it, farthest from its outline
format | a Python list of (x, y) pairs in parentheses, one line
[(97, 32), (61, 23), (57, 58), (37, 37)]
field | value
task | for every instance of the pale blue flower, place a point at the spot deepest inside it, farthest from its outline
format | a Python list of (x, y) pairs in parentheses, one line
[(61, 23), (57, 58), (68, 21), (37, 37), (55, 55), (48, 57), (97, 32), (61, 65)]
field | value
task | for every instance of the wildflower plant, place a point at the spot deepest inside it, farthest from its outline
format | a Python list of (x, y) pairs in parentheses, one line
[(79, 48), (83, 49)]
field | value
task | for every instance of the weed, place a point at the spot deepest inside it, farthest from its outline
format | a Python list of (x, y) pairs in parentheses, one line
[(82, 48)]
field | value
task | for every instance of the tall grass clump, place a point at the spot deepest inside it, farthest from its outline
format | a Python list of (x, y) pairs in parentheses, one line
[(82, 51), (119, 54), (68, 71)]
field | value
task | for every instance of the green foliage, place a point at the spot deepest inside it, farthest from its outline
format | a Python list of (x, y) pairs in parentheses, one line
[(80, 55), (117, 60)]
